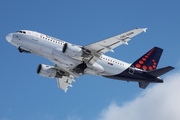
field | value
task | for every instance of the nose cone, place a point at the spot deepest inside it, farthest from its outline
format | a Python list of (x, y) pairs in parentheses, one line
[(9, 37)]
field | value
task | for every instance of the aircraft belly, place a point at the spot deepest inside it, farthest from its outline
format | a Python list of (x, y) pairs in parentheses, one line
[(64, 60), (50, 51), (112, 69), (126, 78), (129, 76), (43, 47), (35, 45)]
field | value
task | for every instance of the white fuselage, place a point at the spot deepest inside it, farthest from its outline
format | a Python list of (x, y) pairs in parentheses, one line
[(51, 48)]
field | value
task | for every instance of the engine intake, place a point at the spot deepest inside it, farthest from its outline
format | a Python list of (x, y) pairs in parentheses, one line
[(48, 71), (72, 50)]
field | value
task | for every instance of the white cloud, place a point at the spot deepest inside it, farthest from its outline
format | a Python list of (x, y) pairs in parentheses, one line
[(73, 115), (160, 102)]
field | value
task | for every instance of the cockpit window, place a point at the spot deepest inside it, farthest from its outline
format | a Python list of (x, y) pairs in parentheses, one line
[(21, 32)]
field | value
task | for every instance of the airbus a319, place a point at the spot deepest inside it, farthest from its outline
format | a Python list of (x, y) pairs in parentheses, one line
[(72, 61)]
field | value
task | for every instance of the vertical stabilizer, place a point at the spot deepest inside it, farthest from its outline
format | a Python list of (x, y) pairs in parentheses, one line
[(149, 61)]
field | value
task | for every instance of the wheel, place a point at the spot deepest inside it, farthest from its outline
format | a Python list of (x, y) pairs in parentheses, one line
[(20, 50)]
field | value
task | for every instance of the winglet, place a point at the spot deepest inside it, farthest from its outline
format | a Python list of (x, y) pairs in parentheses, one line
[(145, 29)]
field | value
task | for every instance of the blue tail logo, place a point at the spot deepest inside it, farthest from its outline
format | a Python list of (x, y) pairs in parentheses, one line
[(149, 61)]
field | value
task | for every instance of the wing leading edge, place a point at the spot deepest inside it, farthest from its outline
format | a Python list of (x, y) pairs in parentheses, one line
[(113, 42)]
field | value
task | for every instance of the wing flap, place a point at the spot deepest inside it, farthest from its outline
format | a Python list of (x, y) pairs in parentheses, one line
[(65, 82)]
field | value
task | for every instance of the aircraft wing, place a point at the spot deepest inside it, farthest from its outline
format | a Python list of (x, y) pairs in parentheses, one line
[(109, 44), (67, 77), (65, 82)]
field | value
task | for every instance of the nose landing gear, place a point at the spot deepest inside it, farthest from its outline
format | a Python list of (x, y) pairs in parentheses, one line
[(21, 50)]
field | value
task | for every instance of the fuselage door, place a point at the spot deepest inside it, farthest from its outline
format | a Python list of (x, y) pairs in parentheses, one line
[(131, 70)]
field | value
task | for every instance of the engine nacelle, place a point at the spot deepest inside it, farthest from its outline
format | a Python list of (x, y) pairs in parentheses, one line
[(94, 69), (72, 50), (48, 71), (97, 67)]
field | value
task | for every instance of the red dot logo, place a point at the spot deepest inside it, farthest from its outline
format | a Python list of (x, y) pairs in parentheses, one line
[(144, 67), (138, 65), (144, 59), (150, 68), (154, 66), (141, 62), (146, 56)]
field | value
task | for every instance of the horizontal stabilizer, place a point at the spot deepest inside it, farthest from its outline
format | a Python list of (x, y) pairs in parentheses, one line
[(143, 84), (160, 71)]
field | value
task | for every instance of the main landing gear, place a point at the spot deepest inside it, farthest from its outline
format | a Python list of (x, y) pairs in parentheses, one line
[(80, 68)]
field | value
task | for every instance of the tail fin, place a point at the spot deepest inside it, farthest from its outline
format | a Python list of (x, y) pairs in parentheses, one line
[(149, 61)]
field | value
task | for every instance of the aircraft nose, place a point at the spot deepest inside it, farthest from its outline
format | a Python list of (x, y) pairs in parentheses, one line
[(9, 37)]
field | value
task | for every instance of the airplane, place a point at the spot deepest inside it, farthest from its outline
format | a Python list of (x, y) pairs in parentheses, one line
[(72, 61)]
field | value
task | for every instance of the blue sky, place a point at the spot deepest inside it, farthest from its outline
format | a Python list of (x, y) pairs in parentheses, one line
[(26, 95)]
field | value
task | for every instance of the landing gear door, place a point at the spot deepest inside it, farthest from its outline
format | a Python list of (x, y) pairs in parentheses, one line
[(131, 70)]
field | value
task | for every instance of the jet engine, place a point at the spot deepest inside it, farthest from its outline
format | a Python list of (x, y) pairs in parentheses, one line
[(48, 71), (74, 50)]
